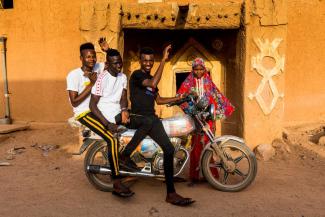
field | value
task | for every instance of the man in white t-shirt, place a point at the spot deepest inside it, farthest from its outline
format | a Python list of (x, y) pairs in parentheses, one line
[(81, 80), (108, 99)]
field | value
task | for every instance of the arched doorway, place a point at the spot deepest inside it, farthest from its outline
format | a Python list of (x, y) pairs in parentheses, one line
[(177, 69)]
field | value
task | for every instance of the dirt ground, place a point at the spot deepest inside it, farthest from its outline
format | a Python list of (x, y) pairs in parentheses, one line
[(52, 183)]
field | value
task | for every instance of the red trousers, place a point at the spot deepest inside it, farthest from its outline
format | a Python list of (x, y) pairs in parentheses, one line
[(198, 143)]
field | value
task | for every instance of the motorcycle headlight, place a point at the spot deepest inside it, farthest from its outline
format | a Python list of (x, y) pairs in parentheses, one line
[(212, 112), (202, 103)]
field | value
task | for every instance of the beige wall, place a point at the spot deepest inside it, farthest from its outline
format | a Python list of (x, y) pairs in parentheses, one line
[(265, 36), (44, 37), (43, 42), (305, 66)]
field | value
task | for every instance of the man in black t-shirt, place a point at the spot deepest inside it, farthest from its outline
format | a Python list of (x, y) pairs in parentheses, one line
[(143, 95)]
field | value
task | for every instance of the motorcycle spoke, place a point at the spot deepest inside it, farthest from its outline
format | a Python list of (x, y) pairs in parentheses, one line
[(239, 158), (225, 177), (226, 155), (104, 155), (215, 165), (237, 171)]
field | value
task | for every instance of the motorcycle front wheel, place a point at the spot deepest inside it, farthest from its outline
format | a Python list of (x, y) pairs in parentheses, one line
[(240, 171), (97, 155)]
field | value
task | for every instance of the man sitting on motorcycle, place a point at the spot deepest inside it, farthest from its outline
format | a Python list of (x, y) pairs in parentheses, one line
[(81, 80), (143, 94), (108, 98)]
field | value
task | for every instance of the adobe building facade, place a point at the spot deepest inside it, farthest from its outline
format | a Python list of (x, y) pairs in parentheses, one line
[(265, 55)]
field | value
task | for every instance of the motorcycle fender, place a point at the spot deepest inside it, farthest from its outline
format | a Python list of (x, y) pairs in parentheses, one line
[(86, 143), (226, 138), (221, 139)]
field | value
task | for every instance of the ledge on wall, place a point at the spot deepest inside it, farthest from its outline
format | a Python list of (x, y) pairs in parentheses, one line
[(172, 15), (152, 15), (214, 15)]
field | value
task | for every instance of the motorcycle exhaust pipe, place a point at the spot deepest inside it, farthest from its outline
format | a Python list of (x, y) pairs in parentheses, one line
[(97, 169)]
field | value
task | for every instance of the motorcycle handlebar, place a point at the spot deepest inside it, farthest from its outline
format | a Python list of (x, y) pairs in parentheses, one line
[(179, 102)]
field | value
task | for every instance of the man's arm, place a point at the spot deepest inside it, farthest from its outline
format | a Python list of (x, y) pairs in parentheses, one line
[(165, 100), (124, 107), (153, 82), (75, 98)]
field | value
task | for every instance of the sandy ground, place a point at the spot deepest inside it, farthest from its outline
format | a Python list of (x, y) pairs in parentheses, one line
[(54, 184)]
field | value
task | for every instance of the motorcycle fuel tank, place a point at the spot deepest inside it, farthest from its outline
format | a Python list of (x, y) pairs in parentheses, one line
[(147, 147), (179, 126)]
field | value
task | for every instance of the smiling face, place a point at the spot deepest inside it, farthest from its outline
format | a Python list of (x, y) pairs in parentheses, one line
[(146, 62), (115, 64), (88, 58), (198, 71)]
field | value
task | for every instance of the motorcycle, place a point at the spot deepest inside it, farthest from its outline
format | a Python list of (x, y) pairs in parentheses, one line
[(235, 163)]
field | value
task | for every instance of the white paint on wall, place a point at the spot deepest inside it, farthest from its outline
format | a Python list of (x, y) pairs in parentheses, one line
[(267, 49)]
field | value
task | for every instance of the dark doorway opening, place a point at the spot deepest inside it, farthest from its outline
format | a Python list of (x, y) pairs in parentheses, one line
[(7, 4), (180, 77)]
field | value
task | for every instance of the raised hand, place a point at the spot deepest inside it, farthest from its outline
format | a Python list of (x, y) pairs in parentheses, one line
[(166, 51), (103, 44)]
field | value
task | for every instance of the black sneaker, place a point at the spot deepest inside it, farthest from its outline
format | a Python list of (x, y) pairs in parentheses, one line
[(128, 164)]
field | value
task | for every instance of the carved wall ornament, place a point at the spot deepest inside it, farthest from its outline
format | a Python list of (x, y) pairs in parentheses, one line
[(191, 57), (267, 49), (217, 44)]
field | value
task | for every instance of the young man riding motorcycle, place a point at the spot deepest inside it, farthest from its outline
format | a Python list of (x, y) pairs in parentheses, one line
[(108, 96), (143, 95)]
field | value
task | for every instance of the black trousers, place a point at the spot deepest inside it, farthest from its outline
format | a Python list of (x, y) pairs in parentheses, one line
[(151, 125), (90, 121)]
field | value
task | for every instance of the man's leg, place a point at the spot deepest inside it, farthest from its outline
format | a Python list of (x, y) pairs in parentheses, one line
[(158, 134), (143, 124), (90, 121)]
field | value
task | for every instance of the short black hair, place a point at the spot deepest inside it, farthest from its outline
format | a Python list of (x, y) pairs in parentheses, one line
[(87, 46), (146, 50), (112, 53)]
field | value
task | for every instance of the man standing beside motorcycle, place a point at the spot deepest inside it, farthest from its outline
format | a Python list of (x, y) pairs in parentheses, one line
[(143, 95), (108, 96)]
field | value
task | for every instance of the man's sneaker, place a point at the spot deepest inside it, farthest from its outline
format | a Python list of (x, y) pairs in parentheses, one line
[(128, 164)]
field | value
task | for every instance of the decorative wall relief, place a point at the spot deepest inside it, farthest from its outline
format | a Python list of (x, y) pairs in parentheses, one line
[(267, 50), (101, 19), (217, 44)]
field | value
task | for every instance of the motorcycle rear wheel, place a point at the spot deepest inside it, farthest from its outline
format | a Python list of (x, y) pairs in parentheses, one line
[(242, 173), (97, 155)]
